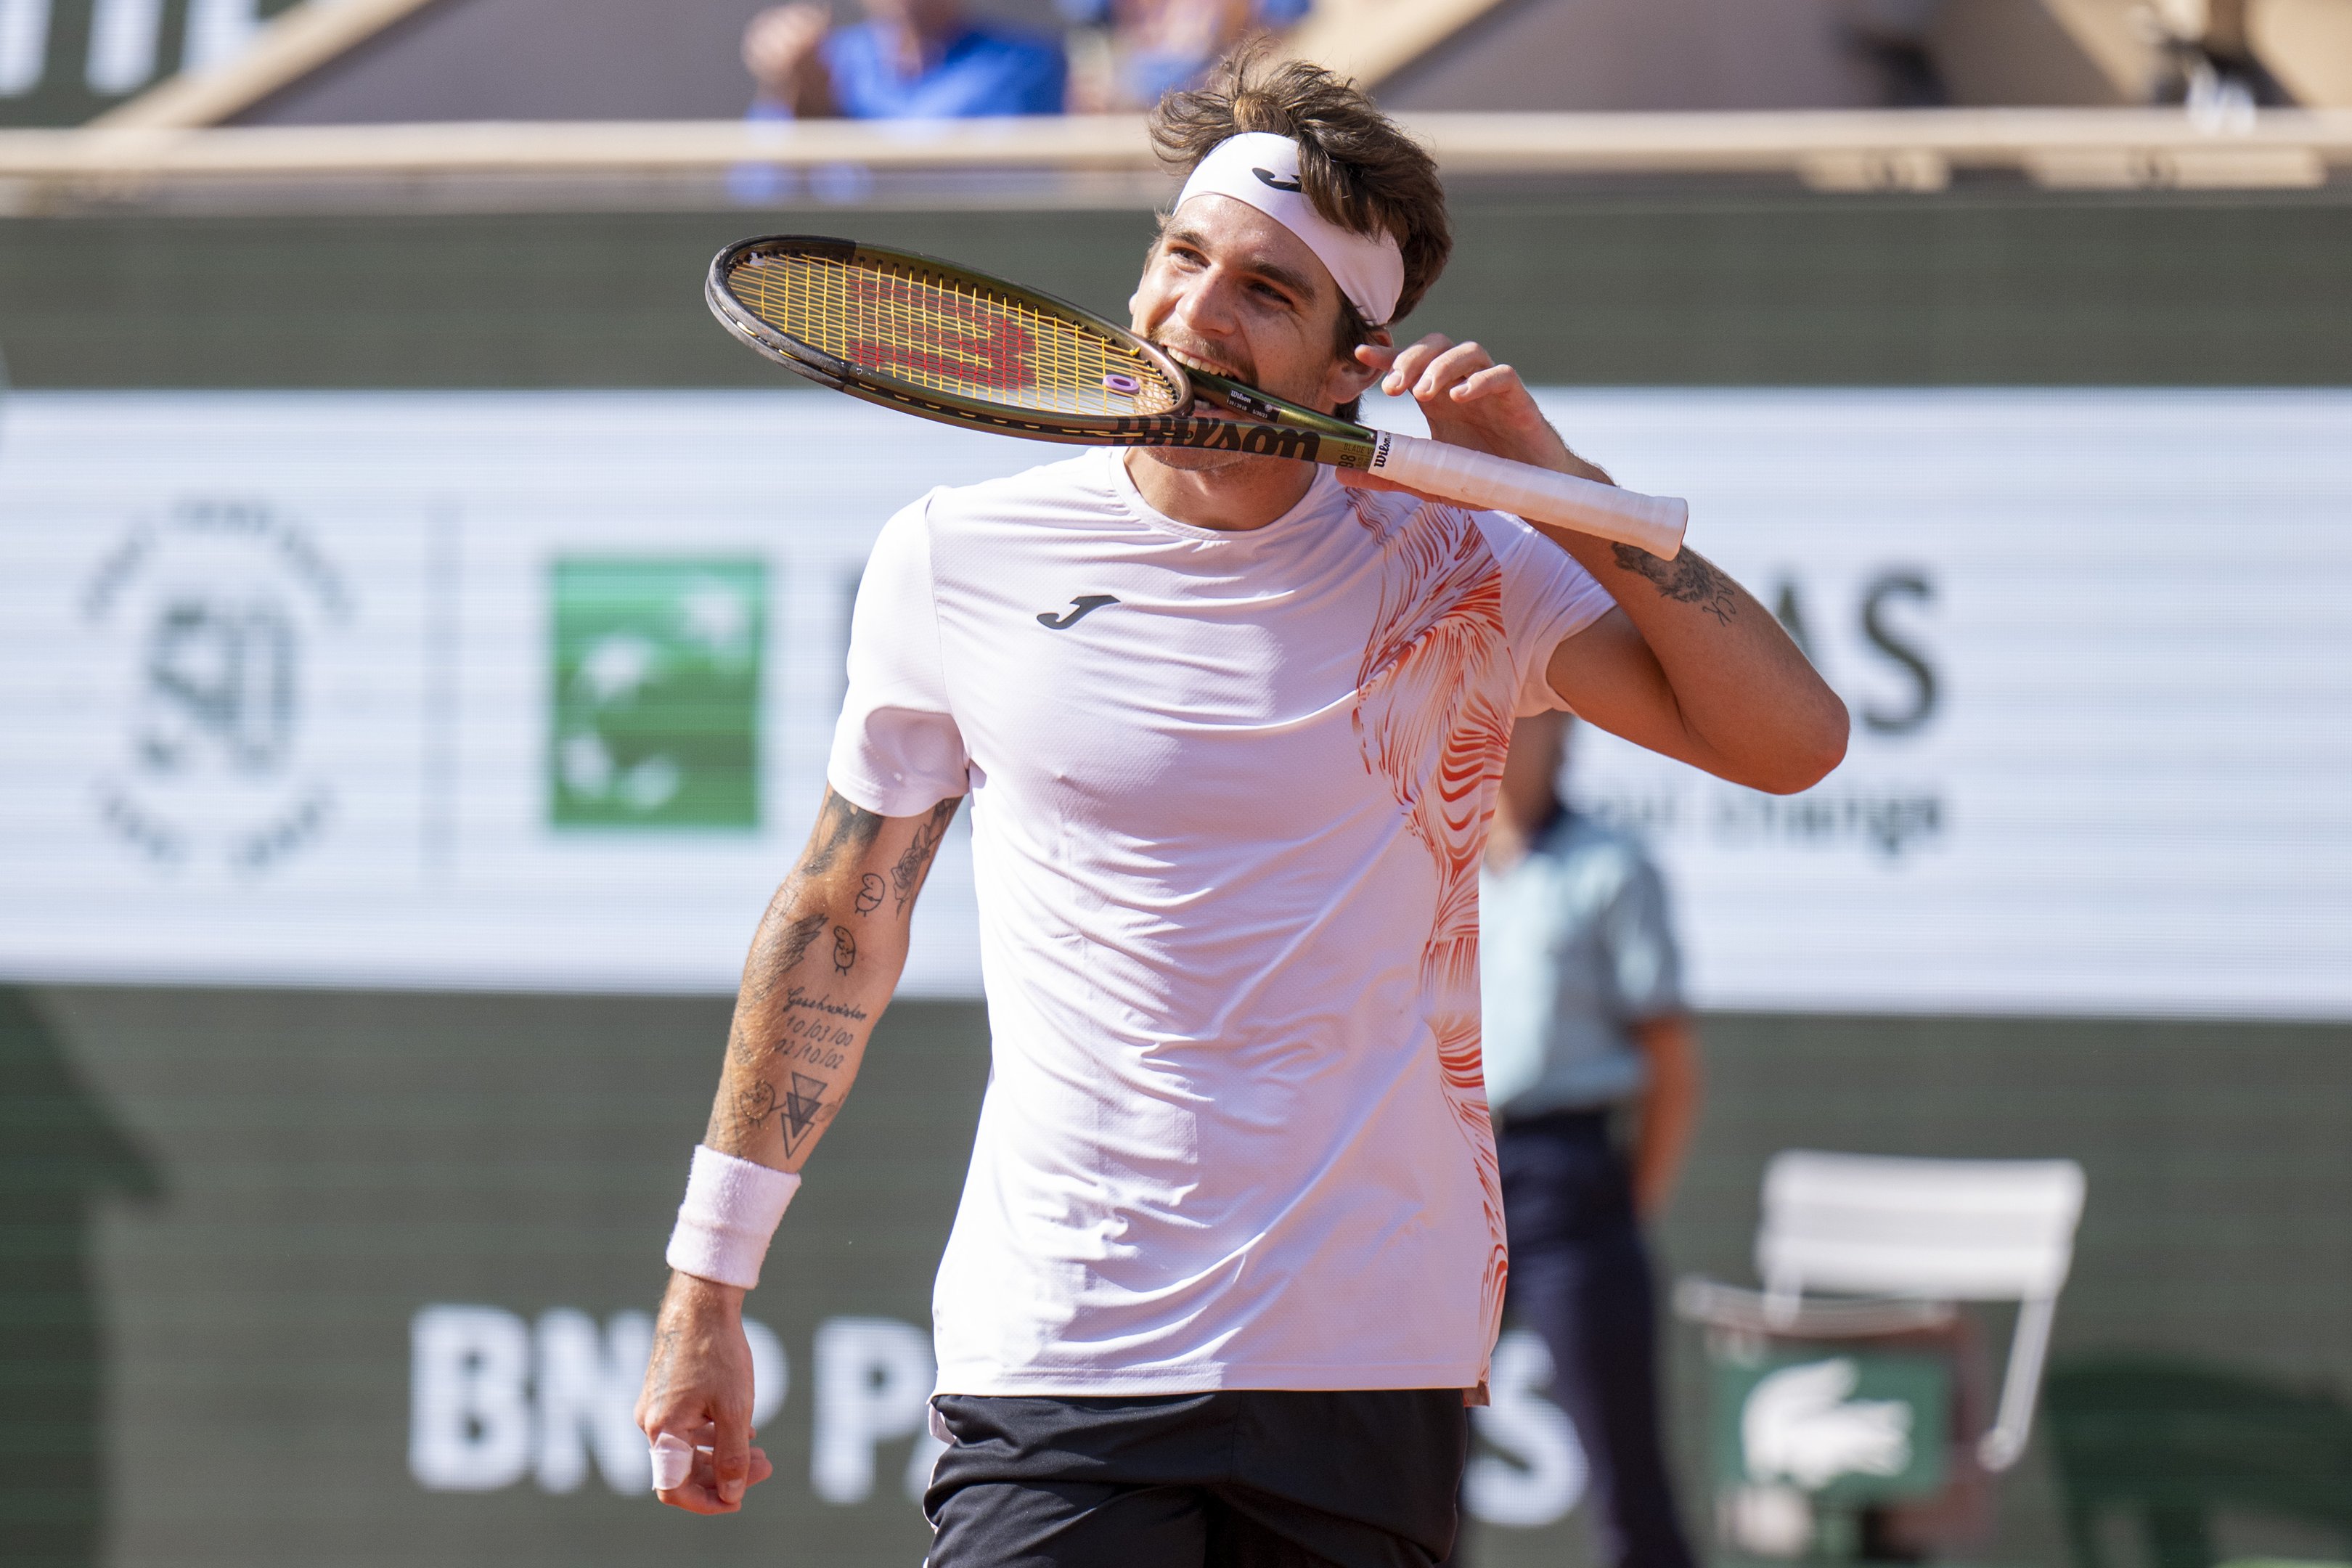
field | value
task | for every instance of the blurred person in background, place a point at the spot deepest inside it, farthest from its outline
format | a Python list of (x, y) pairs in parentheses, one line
[(909, 60), (1126, 53), (1592, 1071)]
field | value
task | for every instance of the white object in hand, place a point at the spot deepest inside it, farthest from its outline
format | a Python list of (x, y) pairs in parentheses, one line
[(673, 1461)]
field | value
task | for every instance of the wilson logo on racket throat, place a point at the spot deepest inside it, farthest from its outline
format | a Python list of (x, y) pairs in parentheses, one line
[(1084, 606), (1226, 436)]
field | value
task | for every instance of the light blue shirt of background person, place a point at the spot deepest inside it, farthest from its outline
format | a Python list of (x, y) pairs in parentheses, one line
[(1574, 949)]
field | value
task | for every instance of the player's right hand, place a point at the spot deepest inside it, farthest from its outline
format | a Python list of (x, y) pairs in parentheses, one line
[(698, 1389)]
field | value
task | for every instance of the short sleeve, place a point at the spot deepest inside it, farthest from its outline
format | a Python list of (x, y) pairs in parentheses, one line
[(1547, 599), (1642, 968), (896, 750)]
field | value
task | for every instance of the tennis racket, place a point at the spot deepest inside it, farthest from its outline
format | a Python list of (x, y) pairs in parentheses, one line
[(946, 343)]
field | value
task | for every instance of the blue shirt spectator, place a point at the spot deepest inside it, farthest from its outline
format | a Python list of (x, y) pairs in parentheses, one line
[(985, 69), (911, 59)]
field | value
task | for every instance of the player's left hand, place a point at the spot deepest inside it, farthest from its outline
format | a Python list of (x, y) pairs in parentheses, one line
[(1469, 401)]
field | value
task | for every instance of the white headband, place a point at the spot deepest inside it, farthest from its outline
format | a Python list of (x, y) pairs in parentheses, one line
[(1262, 169)]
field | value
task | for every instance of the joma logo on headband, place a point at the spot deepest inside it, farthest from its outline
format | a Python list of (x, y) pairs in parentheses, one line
[(1268, 177)]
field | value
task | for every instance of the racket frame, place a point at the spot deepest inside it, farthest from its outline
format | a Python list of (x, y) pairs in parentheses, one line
[(1263, 425), (1294, 431)]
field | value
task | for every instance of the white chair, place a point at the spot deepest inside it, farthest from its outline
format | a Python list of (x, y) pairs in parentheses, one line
[(1927, 1231)]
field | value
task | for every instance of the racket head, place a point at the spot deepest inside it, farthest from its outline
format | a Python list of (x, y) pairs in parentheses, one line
[(932, 338)]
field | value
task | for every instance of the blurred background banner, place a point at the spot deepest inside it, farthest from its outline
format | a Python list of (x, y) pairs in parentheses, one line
[(534, 691), (523, 691), (2101, 703)]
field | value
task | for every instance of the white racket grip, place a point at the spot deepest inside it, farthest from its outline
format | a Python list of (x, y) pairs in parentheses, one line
[(1654, 523)]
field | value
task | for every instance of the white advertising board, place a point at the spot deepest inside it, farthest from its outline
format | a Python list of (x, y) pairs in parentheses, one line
[(534, 689)]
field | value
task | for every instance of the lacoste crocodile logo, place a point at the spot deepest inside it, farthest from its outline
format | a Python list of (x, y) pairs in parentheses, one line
[(1268, 177), (1086, 606)]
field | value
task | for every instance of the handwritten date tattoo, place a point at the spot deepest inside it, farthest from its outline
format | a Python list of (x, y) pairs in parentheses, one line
[(818, 1032), (1689, 579)]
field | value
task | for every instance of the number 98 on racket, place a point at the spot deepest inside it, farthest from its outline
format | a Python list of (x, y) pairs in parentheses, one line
[(944, 342)]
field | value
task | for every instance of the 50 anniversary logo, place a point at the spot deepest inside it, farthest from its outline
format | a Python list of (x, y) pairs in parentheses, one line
[(213, 614)]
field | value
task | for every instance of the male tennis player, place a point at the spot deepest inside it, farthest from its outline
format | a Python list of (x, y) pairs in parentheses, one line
[(1230, 1257)]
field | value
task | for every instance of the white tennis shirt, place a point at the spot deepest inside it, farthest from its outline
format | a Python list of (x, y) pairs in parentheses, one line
[(1227, 814)]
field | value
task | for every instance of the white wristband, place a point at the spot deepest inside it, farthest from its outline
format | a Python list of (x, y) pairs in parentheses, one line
[(731, 1210)]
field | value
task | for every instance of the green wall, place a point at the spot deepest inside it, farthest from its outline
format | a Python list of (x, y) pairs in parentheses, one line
[(264, 1186), (1991, 285)]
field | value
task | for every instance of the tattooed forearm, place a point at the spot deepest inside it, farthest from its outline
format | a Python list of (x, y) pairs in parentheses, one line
[(907, 875), (840, 825), (1687, 579), (799, 1032)]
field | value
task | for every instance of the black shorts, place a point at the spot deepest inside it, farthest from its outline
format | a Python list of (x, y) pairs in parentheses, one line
[(1244, 1479)]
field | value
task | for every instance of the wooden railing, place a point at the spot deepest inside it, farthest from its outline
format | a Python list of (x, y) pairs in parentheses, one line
[(1107, 160)]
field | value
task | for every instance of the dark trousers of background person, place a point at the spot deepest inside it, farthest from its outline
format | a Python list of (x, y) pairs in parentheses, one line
[(1581, 1278)]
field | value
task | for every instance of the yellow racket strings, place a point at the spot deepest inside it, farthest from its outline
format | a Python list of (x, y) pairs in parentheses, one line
[(948, 335)]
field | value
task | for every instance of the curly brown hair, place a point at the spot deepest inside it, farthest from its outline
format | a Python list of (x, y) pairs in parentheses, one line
[(1361, 171)]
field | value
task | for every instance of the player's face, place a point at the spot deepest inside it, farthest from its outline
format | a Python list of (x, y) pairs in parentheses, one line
[(1229, 289)]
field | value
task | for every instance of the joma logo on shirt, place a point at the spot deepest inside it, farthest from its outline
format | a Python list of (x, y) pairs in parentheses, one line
[(1086, 606)]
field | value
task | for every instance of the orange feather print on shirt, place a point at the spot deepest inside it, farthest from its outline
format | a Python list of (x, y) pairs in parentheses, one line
[(1433, 707)]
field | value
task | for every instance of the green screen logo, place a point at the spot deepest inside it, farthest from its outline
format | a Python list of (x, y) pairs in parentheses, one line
[(657, 698)]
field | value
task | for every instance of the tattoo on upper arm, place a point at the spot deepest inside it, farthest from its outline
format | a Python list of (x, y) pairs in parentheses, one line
[(907, 875), (845, 950), (870, 889), (840, 825), (1687, 579)]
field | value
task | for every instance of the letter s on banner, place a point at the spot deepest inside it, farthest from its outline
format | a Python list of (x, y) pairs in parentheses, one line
[(469, 1426), (1545, 1473), (873, 1379)]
